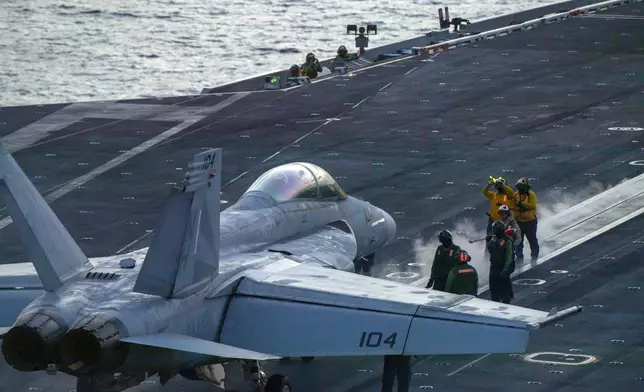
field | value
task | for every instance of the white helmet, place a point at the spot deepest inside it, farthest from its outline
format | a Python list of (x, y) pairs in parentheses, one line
[(504, 208)]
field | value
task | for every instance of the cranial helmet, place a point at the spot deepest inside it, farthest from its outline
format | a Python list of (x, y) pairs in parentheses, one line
[(464, 257), (522, 185), (445, 238)]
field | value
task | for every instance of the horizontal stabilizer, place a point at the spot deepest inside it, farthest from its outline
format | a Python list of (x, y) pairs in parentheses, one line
[(197, 346), (19, 285), (55, 254), (19, 276)]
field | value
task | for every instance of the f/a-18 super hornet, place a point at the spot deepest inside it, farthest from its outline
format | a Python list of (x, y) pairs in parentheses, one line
[(265, 279)]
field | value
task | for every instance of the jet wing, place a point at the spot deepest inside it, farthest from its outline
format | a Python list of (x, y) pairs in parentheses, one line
[(308, 310)]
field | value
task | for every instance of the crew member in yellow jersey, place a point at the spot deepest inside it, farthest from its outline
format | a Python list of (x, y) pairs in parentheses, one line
[(525, 213), (499, 193)]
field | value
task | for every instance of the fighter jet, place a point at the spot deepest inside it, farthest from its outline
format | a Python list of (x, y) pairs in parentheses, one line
[(269, 277)]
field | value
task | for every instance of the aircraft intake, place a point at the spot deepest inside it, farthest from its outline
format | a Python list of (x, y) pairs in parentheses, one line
[(29, 345), (93, 343)]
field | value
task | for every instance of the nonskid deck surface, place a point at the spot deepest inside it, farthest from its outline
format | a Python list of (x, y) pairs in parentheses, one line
[(602, 275), (418, 138)]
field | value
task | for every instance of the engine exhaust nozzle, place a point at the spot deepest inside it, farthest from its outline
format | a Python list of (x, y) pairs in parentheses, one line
[(30, 344), (93, 343)]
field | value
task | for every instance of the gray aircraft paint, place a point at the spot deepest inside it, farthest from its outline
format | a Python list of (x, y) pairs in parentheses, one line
[(284, 263)]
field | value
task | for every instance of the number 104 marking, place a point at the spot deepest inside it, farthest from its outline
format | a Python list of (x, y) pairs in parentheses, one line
[(375, 339)]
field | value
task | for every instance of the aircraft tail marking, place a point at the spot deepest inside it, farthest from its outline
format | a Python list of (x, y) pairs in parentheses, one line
[(53, 251), (185, 250)]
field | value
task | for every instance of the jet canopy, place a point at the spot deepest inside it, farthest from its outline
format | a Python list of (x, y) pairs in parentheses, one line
[(298, 180)]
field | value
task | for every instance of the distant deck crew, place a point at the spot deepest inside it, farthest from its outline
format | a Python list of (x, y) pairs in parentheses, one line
[(457, 22), (511, 225), (396, 366), (525, 212), (502, 265), (364, 264), (293, 78), (444, 260), (343, 55), (463, 278), (311, 67), (499, 193)]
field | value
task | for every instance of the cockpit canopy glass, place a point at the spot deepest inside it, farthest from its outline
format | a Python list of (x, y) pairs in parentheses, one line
[(298, 181)]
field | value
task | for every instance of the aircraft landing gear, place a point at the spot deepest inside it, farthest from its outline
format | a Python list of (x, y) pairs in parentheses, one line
[(262, 383), (277, 383), (108, 382)]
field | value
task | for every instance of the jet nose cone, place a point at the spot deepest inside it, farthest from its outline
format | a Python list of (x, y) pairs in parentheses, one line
[(391, 228)]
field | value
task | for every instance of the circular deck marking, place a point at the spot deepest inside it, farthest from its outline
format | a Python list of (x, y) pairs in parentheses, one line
[(529, 282), (626, 129), (560, 358), (636, 163), (403, 275)]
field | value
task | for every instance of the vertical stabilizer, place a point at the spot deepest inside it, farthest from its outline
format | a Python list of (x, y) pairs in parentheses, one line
[(184, 253), (53, 251)]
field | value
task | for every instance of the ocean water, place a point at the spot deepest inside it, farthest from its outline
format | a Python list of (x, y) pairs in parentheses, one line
[(75, 50)]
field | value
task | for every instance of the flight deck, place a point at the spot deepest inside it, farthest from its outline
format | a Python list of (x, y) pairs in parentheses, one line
[(418, 137)]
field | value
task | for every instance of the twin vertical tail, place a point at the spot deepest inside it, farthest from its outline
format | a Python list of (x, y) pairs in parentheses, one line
[(54, 253), (184, 253)]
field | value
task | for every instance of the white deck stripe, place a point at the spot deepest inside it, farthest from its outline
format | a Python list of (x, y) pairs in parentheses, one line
[(468, 364), (141, 148)]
